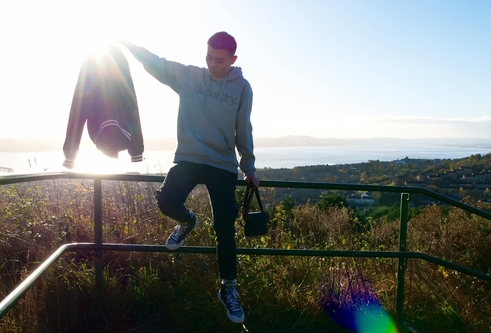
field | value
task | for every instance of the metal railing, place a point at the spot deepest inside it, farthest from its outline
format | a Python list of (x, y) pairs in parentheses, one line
[(402, 255)]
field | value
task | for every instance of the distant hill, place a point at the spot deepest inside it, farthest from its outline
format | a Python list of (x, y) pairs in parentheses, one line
[(30, 144), (56, 144)]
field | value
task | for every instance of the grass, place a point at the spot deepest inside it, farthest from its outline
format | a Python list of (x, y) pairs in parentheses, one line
[(173, 292)]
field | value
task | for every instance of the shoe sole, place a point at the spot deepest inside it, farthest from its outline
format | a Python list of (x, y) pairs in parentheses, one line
[(233, 319), (173, 247)]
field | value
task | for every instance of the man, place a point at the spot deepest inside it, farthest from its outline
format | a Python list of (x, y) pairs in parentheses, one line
[(213, 120)]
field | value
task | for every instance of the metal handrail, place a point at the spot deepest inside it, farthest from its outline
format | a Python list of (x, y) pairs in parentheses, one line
[(99, 246), (4, 180)]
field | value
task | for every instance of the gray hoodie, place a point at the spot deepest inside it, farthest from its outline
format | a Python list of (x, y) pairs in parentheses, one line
[(214, 115)]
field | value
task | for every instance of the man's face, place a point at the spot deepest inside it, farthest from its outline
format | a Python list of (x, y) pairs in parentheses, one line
[(219, 62)]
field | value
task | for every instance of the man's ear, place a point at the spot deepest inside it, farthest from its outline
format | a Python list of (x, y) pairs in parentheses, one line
[(234, 58)]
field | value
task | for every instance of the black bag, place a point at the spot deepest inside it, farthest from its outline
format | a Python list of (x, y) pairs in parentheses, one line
[(256, 223)]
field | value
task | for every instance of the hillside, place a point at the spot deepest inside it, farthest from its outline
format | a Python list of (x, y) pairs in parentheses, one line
[(452, 177)]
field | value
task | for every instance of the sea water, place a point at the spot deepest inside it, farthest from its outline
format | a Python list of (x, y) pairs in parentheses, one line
[(159, 162)]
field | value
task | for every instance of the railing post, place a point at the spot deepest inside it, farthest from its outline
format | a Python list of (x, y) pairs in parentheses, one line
[(402, 261), (98, 234)]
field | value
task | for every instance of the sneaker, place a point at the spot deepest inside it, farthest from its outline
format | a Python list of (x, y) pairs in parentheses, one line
[(176, 239), (230, 299)]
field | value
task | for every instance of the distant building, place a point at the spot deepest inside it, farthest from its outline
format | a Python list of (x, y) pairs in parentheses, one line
[(363, 199)]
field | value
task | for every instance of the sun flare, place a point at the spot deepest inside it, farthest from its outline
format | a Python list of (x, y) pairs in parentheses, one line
[(98, 23), (94, 161)]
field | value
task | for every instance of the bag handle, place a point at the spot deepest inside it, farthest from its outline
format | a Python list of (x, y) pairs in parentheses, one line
[(247, 200)]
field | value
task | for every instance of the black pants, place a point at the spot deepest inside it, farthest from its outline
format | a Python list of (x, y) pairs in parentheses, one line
[(180, 181)]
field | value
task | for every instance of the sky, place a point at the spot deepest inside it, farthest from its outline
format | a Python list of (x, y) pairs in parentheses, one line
[(326, 69)]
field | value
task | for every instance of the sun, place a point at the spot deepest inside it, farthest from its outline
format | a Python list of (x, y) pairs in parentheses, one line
[(96, 23)]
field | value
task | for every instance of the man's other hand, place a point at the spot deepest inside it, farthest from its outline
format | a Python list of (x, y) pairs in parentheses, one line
[(253, 181)]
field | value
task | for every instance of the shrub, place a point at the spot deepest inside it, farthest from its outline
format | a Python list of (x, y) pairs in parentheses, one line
[(175, 292)]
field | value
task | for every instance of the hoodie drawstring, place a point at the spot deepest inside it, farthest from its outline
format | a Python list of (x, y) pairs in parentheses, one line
[(223, 88), (205, 97)]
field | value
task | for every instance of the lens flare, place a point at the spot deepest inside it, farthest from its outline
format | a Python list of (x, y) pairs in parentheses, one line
[(349, 299), (373, 319), (362, 318)]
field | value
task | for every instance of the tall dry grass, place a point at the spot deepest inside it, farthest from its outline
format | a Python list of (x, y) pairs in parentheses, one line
[(173, 292)]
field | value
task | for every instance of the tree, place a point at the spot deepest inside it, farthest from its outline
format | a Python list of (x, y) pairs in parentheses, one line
[(334, 200)]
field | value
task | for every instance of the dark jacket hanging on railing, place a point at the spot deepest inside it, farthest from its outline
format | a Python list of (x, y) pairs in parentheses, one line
[(105, 98)]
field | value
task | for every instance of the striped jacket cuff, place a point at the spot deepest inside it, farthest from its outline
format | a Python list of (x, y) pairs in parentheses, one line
[(69, 163), (137, 158)]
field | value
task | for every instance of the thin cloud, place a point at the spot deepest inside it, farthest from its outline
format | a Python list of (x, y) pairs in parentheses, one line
[(435, 120), (477, 127)]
